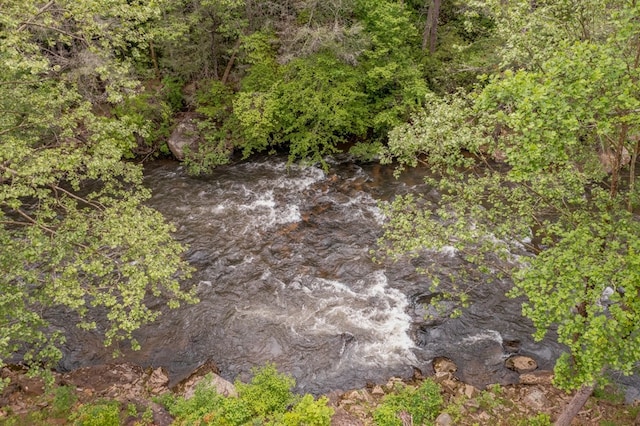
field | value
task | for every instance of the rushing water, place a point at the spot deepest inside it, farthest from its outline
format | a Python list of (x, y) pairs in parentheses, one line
[(284, 275)]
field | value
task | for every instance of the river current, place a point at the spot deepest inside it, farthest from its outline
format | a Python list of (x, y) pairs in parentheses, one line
[(284, 275)]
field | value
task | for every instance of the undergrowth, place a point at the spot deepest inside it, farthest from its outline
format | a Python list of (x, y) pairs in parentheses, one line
[(266, 400)]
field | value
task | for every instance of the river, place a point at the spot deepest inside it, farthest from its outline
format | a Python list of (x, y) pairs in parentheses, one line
[(284, 275)]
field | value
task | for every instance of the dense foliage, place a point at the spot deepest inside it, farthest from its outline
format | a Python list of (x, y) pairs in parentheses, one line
[(74, 230), (422, 405), (266, 400), (358, 79), (526, 112), (541, 156), (89, 88)]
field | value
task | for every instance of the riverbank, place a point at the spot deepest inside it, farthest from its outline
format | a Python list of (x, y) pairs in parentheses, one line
[(131, 392)]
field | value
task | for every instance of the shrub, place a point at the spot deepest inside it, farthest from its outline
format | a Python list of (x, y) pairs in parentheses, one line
[(64, 398), (215, 126), (269, 392), (150, 118), (172, 93), (422, 403), (309, 413), (100, 413), (205, 405), (264, 401), (541, 419)]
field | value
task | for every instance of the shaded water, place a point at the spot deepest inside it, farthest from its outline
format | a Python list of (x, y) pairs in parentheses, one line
[(284, 275)]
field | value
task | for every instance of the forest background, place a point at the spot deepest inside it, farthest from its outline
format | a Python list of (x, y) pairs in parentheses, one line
[(527, 113)]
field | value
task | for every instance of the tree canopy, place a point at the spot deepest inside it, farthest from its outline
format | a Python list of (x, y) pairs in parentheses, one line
[(541, 155), (527, 114), (74, 228)]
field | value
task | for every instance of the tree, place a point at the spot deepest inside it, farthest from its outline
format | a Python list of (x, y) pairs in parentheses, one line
[(201, 38), (314, 105), (429, 36), (351, 82), (75, 232), (563, 130)]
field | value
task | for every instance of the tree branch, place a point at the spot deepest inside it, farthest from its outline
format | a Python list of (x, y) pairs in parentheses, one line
[(35, 222), (38, 13), (11, 129), (77, 198), (58, 30), (576, 404)]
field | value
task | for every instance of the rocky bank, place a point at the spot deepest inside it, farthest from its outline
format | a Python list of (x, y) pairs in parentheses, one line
[(465, 404)]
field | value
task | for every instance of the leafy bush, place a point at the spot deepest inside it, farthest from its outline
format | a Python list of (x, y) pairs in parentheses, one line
[(309, 413), (269, 392), (205, 405), (317, 104), (64, 398), (610, 392), (541, 419), (149, 117), (265, 400), (422, 403), (100, 413), (172, 93), (216, 127)]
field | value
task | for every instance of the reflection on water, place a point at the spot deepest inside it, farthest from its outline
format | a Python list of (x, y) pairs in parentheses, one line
[(284, 275)]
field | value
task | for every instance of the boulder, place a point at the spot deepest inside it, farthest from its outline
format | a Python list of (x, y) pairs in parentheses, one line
[(342, 417), (184, 135), (537, 378), (444, 419), (377, 390), (222, 386), (444, 365), (357, 396), (161, 416), (535, 399), (521, 364), (470, 391), (158, 381), (207, 371)]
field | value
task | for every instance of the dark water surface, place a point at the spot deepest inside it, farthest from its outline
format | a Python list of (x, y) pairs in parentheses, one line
[(284, 275)]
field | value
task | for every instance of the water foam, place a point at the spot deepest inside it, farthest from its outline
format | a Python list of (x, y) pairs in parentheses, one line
[(369, 313), (274, 200), (491, 335)]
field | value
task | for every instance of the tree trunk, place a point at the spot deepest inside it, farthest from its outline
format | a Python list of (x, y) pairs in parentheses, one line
[(632, 174), (431, 26), (619, 150), (574, 407), (227, 70), (154, 59)]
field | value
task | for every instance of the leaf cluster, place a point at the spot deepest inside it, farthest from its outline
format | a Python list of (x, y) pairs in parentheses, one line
[(421, 404), (266, 400)]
